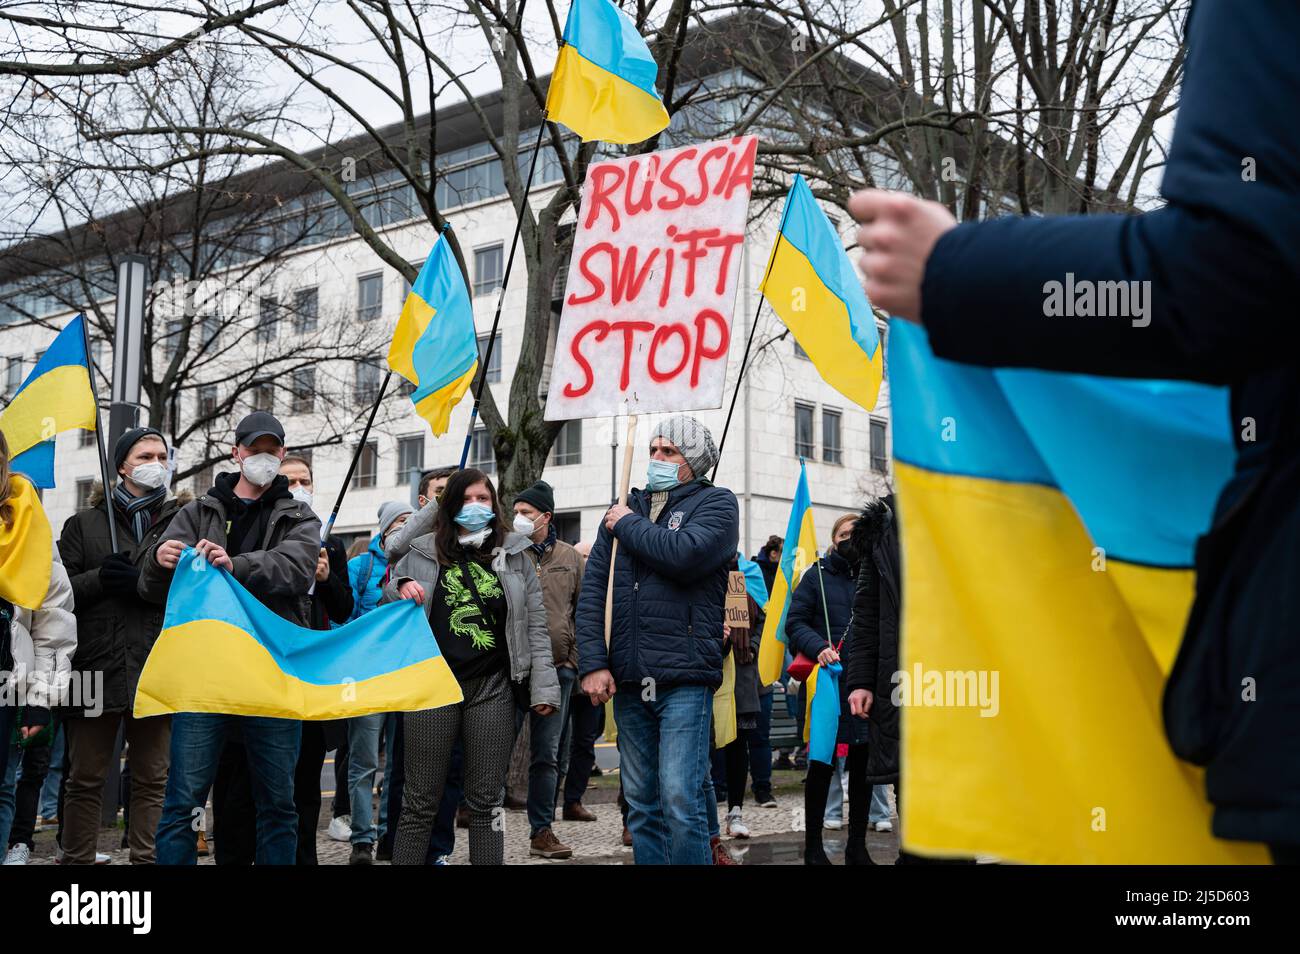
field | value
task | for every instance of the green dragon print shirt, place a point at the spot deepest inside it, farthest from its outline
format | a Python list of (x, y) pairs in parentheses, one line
[(474, 646)]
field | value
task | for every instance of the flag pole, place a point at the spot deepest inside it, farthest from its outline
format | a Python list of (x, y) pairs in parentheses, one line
[(356, 456), (613, 548), (749, 342), (501, 296), (99, 437)]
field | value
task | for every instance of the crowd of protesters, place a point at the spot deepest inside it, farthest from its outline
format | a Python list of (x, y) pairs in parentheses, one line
[(520, 617)]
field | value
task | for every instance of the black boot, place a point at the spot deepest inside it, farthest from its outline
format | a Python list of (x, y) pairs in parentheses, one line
[(814, 811), (855, 849)]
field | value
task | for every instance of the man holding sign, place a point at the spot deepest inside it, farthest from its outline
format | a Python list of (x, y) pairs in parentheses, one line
[(664, 659)]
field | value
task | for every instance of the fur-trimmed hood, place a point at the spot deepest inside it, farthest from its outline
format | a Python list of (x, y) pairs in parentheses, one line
[(873, 523)]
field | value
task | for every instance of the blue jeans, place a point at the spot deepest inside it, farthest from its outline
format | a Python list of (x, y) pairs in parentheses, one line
[(543, 770), (363, 764), (271, 746), (49, 807), (663, 750)]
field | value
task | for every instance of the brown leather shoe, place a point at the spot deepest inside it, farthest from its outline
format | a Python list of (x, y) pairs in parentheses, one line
[(576, 811), (627, 837), (546, 845), (721, 856)]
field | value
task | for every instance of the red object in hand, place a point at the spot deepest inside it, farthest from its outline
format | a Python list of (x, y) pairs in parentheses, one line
[(801, 668)]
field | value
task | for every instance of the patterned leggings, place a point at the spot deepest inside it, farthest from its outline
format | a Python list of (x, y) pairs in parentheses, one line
[(485, 724)]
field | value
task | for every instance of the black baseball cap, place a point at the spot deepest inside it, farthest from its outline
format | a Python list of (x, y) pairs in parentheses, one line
[(258, 424)]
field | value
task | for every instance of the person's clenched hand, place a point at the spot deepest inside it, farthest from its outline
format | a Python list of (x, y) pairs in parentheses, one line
[(897, 232)]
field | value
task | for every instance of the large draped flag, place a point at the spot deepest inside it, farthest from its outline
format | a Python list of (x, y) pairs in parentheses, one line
[(811, 284), (434, 346), (1048, 522), (798, 552), (26, 548), (603, 85), (221, 650), (56, 397)]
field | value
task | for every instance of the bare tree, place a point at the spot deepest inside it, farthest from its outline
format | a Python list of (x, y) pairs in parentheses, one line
[(222, 335)]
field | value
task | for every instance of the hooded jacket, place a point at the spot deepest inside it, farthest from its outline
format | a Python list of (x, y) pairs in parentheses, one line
[(873, 636), (279, 573)]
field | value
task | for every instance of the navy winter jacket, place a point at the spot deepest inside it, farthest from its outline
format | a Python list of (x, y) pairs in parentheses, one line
[(670, 583), (1223, 260)]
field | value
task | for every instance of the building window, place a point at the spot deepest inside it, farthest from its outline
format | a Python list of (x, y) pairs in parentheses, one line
[(493, 369), (306, 310), (268, 320), (488, 268), (568, 444), (568, 526), (210, 331), (800, 353), (304, 391), (85, 438), (83, 492), (879, 458), (832, 449), (172, 337), (370, 296), (14, 375), (803, 430), (481, 454), (207, 400), (264, 397), (410, 455), (367, 466), (367, 384)]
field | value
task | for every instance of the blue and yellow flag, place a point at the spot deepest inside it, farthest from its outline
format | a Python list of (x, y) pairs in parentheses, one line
[(26, 547), (603, 85), (822, 720), (812, 285), (56, 397), (798, 552), (1048, 523), (434, 346), (755, 585), (221, 650)]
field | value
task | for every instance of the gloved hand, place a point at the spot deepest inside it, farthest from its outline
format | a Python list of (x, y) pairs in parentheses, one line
[(118, 575)]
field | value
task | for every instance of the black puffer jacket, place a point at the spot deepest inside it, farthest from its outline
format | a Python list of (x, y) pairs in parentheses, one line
[(872, 657), (114, 632), (805, 627)]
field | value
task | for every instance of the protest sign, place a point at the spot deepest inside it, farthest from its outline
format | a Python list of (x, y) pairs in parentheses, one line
[(737, 605), (646, 325)]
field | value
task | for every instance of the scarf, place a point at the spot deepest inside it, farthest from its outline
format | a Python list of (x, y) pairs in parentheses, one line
[(541, 548), (138, 511)]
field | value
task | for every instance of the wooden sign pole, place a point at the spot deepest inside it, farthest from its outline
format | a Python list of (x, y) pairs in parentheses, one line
[(622, 499)]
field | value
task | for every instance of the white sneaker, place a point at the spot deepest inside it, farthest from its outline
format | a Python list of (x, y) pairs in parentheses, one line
[(885, 825), (18, 855), (735, 827), (341, 828), (834, 824)]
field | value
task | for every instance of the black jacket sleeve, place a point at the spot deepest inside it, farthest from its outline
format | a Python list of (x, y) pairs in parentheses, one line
[(86, 588), (1217, 259), (335, 593), (864, 630)]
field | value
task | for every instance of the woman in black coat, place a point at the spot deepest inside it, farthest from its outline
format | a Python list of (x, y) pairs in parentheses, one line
[(819, 615)]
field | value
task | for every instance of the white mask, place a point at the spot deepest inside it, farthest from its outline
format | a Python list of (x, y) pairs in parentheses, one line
[(524, 525), (260, 469), (150, 476), (302, 495)]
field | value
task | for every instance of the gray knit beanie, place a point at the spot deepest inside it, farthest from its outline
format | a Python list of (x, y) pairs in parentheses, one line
[(693, 440)]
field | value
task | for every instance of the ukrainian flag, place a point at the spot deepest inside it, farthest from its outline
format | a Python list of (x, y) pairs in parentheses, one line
[(822, 720), (755, 585), (798, 552), (603, 85), (438, 357), (221, 650), (26, 548), (57, 396), (811, 284), (1048, 524)]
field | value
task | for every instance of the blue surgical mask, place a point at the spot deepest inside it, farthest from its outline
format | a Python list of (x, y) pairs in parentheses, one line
[(662, 475), (474, 516)]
